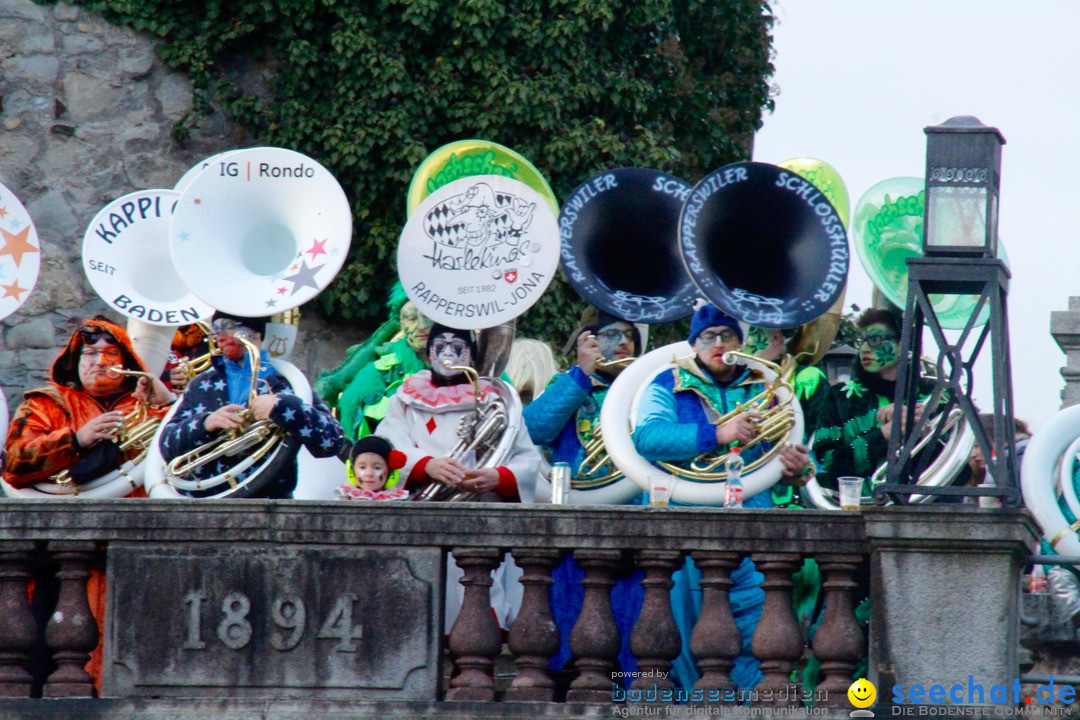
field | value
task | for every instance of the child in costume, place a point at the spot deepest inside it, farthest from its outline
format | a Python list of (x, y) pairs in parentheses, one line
[(372, 461)]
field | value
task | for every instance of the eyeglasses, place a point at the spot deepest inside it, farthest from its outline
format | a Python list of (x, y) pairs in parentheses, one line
[(111, 355), (614, 335), (708, 339), (231, 327), (877, 340), (457, 346)]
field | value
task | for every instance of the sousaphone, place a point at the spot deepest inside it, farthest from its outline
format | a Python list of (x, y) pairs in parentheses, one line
[(768, 248), (620, 252), (256, 232), (475, 254), (20, 261)]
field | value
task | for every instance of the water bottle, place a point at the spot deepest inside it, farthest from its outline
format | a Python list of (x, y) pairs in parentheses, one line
[(733, 465)]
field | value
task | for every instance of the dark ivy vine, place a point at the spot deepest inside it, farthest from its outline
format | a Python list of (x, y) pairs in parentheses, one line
[(370, 87)]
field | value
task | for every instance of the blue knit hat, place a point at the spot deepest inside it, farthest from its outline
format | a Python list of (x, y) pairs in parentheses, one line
[(708, 316)]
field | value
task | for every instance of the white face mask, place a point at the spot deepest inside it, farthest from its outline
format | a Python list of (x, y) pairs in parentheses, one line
[(448, 350)]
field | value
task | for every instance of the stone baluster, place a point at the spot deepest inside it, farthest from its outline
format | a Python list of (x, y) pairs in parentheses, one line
[(475, 639), (839, 641), (595, 638), (72, 632), (655, 640), (778, 641), (534, 637), (18, 632), (715, 641)]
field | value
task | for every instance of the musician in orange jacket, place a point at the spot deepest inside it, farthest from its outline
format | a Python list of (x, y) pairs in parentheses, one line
[(71, 423)]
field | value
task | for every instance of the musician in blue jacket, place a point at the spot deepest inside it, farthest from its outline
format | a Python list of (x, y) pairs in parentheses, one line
[(676, 422), (565, 417), (214, 400)]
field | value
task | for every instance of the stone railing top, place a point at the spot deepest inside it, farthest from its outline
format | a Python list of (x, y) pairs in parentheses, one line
[(952, 529), (502, 526)]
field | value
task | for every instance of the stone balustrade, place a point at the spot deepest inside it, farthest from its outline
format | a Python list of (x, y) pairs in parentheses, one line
[(324, 602)]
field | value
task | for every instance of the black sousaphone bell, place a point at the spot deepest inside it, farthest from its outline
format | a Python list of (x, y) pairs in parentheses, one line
[(764, 245), (620, 245)]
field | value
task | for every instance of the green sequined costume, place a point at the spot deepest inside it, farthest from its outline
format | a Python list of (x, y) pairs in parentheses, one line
[(849, 440)]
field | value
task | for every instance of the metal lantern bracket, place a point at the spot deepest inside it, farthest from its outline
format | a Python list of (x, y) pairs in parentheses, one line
[(989, 279)]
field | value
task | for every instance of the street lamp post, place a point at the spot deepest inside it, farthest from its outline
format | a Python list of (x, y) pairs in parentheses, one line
[(963, 169)]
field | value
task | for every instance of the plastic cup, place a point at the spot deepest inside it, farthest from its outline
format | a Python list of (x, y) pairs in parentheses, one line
[(659, 489), (850, 493)]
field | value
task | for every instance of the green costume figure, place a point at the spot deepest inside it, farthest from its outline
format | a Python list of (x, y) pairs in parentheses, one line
[(853, 438), (360, 387)]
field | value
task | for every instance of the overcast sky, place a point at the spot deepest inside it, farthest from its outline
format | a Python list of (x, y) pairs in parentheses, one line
[(858, 80)]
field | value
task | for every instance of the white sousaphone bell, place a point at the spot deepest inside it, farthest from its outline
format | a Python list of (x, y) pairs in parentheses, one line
[(20, 261), (126, 260), (256, 232)]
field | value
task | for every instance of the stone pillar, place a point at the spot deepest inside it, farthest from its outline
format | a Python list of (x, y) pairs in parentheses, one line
[(534, 637), (839, 642), (778, 641), (18, 632), (945, 594), (715, 641), (71, 633), (595, 638), (655, 640), (475, 639), (1065, 327)]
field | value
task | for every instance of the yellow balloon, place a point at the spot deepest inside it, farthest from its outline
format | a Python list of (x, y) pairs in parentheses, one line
[(862, 693), (465, 158), (826, 179)]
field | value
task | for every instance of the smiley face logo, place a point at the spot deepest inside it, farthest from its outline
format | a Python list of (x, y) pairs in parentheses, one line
[(862, 693)]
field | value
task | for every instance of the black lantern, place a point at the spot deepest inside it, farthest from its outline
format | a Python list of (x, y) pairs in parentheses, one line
[(963, 172)]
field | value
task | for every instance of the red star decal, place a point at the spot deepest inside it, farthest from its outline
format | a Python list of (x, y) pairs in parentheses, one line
[(282, 290), (317, 248), (430, 425), (198, 201), (3, 212), (13, 290), (17, 245)]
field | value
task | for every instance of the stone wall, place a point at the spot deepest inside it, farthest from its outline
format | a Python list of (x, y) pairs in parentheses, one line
[(86, 110)]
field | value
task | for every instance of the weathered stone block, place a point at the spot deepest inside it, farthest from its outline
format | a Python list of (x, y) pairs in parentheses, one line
[(37, 333), (89, 97), (257, 620), (66, 13), (21, 10)]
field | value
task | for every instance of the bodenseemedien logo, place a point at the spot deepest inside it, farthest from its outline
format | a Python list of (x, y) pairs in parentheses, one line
[(862, 695)]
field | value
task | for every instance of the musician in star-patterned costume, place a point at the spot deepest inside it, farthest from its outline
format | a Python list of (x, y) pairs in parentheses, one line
[(214, 399)]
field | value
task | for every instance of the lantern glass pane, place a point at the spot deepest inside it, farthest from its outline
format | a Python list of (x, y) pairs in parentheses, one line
[(957, 217)]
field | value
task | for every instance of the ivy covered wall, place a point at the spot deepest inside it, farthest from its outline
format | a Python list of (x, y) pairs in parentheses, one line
[(370, 87)]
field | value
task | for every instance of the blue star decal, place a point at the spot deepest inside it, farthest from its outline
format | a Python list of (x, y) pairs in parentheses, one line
[(200, 408), (305, 431), (204, 385), (289, 415), (304, 277), (219, 385)]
